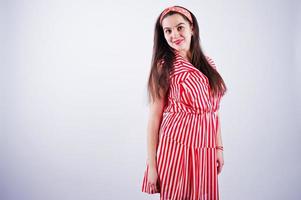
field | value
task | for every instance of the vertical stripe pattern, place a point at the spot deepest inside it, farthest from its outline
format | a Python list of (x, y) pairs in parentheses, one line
[(186, 154)]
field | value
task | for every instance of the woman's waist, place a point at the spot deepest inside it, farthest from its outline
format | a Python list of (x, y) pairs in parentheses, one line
[(189, 110), (190, 137)]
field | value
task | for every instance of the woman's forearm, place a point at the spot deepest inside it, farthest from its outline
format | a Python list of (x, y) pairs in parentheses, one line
[(152, 140), (219, 141), (155, 117)]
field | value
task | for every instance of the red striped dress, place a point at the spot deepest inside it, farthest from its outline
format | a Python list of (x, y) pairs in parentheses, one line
[(186, 154)]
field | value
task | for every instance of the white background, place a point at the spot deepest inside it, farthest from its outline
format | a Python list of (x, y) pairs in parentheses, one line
[(74, 105)]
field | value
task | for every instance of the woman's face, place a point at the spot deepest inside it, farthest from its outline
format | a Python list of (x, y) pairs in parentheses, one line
[(177, 32)]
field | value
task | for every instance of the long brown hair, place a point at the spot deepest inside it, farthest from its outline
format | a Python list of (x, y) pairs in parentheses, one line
[(158, 82)]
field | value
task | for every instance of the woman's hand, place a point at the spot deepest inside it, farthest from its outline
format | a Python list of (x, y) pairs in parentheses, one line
[(153, 179), (219, 160)]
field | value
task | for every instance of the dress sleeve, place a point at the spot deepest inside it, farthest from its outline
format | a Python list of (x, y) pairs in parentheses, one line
[(186, 91), (211, 62)]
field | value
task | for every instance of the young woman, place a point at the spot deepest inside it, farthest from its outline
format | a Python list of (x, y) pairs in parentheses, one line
[(184, 144)]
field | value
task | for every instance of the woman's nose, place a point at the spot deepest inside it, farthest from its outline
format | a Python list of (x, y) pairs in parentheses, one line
[(175, 34)]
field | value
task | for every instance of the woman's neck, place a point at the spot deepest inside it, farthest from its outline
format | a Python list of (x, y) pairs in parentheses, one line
[(186, 55)]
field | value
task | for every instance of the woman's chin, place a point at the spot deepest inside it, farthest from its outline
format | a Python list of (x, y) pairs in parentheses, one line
[(179, 48)]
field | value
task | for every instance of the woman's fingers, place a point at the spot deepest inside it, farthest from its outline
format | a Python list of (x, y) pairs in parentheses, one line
[(220, 165), (219, 169), (152, 187), (220, 161)]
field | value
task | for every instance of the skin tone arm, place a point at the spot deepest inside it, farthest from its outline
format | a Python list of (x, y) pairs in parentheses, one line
[(219, 153), (155, 117), (219, 141)]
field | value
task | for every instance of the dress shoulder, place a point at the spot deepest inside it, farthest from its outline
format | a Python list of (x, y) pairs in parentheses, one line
[(211, 62)]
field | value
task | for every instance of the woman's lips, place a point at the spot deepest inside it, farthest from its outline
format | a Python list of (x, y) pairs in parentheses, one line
[(177, 42)]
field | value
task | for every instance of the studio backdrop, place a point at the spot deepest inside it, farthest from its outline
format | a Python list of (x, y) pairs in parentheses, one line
[(74, 106)]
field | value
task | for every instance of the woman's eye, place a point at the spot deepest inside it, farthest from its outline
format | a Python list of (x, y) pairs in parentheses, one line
[(180, 28), (167, 31)]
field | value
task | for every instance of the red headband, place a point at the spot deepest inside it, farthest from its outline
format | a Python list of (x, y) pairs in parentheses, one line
[(177, 9)]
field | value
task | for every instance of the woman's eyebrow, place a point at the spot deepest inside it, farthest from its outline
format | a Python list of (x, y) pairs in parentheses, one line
[(175, 26)]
